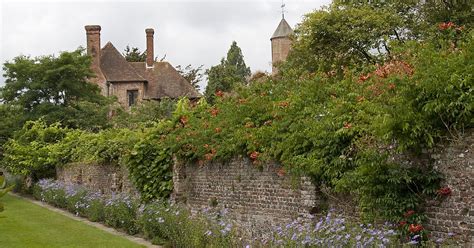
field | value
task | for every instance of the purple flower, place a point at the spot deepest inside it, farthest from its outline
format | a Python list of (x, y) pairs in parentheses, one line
[(413, 242)]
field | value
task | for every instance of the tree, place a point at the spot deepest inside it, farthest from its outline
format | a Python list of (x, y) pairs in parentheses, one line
[(133, 54), (236, 59), (54, 88), (332, 39), (419, 17), (459, 12), (12, 120), (226, 75), (193, 75)]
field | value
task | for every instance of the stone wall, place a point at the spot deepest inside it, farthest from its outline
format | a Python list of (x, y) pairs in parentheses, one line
[(455, 213), (106, 178), (258, 198)]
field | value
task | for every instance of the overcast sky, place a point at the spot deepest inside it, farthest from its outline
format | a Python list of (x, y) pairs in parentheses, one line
[(188, 32)]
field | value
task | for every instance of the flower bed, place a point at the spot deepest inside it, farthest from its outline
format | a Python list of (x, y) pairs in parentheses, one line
[(173, 225)]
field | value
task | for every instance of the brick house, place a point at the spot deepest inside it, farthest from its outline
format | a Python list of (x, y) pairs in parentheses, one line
[(132, 82)]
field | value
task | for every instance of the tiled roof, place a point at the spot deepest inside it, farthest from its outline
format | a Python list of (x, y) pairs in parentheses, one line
[(164, 81), (114, 66), (283, 30)]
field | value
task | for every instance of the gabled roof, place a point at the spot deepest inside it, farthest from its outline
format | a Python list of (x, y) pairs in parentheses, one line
[(164, 81), (283, 30), (114, 66)]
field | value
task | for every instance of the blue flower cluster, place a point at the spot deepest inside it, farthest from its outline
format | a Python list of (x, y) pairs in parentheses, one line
[(330, 231)]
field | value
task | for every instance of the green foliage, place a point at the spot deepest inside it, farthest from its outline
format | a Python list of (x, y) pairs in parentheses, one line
[(133, 54), (344, 132), (121, 213), (235, 58), (38, 149), (49, 80), (335, 38), (459, 12), (11, 120), (231, 72), (145, 114), (175, 226), (352, 34), (150, 166), (55, 89), (29, 153)]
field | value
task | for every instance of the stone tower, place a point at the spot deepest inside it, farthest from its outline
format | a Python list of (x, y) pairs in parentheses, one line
[(281, 43)]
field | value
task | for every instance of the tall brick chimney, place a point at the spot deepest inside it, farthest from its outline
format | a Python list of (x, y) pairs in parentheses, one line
[(93, 45), (93, 49), (149, 47)]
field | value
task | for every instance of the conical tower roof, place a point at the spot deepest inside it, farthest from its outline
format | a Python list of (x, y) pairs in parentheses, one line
[(283, 30)]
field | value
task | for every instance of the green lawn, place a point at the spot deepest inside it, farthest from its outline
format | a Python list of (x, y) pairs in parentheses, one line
[(24, 224)]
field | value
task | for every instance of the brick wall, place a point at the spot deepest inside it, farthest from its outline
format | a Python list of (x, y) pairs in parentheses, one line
[(258, 198), (455, 213), (106, 178)]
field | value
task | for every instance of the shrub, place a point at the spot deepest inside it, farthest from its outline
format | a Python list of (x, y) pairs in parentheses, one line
[(120, 212), (175, 226), (96, 208), (331, 231)]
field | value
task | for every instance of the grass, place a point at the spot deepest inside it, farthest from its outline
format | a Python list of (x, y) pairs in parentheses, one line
[(24, 224)]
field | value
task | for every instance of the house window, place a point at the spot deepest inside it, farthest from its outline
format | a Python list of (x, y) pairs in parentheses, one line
[(132, 97)]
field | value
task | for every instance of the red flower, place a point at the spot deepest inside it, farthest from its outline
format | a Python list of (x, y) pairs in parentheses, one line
[(415, 228), (445, 191), (409, 213), (242, 101), (402, 223), (219, 93), (360, 98), (283, 104), (363, 78), (214, 111), (254, 155), (209, 156), (183, 120), (218, 130), (347, 125), (281, 172), (446, 25)]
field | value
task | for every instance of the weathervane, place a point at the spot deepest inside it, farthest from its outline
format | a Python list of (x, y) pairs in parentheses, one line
[(282, 9)]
